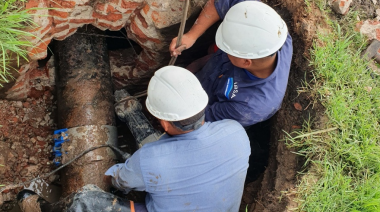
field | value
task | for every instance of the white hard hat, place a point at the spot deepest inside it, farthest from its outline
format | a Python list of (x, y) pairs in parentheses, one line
[(251, 30), (175, 94)]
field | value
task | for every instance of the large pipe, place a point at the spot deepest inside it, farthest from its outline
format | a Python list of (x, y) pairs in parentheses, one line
[(85, 106)]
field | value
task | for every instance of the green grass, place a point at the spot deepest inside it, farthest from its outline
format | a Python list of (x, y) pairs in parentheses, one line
[(344, 164), (13, 38)]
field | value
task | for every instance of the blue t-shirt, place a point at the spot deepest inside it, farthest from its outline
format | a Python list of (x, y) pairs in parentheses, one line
[(235, 95), (203, 170)]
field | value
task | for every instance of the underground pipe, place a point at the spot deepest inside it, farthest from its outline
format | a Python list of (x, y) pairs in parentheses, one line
[(85, 107)]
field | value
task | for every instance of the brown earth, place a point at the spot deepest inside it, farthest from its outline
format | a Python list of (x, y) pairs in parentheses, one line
[(26, 129), (273, 191)]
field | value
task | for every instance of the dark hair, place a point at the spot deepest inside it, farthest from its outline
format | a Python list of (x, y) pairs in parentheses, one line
[(274, 53), (191, 123)]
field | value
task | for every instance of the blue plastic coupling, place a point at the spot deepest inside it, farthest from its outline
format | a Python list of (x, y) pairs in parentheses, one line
[(59, 137)]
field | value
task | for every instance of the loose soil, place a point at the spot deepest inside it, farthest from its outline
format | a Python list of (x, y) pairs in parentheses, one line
[(26, 135)]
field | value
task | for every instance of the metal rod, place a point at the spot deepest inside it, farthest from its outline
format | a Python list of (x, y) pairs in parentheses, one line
[(181, 30)]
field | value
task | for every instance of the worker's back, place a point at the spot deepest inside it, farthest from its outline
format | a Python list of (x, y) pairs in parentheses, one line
[(203, 170)]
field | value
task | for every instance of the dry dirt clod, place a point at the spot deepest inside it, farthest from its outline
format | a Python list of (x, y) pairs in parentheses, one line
[(341, 6), (298, 106)]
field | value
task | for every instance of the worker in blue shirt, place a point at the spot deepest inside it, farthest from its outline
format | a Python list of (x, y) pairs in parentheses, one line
[(197, 165), (246, 78)]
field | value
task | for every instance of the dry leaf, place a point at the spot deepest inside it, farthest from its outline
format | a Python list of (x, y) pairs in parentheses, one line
[(368, 88), (298, 106)]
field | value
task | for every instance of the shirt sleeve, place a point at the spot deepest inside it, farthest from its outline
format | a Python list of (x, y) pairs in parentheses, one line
[(127, 176), (222, 6), (240, 112)]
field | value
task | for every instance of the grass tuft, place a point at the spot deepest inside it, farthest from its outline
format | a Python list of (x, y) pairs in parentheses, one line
[(344, 164), (13, 39)]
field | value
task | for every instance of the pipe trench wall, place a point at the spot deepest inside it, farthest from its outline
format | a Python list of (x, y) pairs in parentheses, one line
[(151, 24), (143, 20)]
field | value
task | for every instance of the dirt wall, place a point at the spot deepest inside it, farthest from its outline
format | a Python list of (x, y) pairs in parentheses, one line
[(280, 178)]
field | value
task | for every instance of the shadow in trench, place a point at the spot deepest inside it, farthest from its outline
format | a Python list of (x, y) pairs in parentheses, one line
[(259, 137)]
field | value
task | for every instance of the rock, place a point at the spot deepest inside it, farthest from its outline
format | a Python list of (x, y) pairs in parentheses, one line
[(33, 160), (26, 104), (24, 172), (33, 140), (7, 197), (26, 118), (16, 145), (53, 178), (369, 28), (372, 50), (47, 117), (11, 157), (341, 6), (33, 169), (18, 104)]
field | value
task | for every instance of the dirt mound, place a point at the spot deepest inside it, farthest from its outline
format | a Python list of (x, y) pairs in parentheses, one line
[(26, 129)]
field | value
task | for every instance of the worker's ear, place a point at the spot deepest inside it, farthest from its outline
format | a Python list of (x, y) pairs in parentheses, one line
[(165, 124), (247, 63)]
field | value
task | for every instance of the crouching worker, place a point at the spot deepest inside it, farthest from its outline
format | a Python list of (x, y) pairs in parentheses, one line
[(195, 166)]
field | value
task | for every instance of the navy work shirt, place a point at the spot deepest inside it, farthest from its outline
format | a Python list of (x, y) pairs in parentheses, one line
[(235, 93), (203, 170)]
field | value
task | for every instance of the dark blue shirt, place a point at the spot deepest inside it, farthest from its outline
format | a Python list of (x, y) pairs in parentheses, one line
[(203, 170), (233, 94)]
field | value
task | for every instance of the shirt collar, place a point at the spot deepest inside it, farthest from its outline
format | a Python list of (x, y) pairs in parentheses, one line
[(251, 76)]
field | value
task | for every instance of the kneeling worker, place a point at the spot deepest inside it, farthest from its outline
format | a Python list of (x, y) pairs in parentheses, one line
[(196, 166)]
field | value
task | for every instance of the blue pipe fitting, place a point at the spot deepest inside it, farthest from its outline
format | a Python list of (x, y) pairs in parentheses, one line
[(59, 138)]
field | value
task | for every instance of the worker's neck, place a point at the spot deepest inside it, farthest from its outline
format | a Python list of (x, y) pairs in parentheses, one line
[(263, 68), (172, 130)]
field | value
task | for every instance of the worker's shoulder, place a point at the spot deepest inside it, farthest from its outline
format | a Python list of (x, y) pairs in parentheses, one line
[(227, 124)]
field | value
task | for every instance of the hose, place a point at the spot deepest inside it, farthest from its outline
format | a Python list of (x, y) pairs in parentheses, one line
[(124, 155)]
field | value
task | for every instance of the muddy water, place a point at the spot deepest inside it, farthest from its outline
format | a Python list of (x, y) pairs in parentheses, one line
[(50, 193)]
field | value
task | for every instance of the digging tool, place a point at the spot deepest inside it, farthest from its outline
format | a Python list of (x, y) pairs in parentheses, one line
[(180, 34)]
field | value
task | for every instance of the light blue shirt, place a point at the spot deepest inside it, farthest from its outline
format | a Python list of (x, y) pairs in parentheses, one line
[(203, 170)]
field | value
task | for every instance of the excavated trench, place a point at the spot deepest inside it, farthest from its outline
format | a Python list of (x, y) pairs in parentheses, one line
[(273, 167)]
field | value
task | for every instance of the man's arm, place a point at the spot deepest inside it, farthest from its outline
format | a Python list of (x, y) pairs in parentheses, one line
[(238, 111), (127, 176), (206, 18)]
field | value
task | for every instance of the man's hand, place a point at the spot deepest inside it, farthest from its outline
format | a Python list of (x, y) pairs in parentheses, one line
[(107, 180), (186, 42)]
